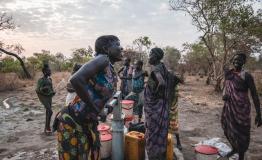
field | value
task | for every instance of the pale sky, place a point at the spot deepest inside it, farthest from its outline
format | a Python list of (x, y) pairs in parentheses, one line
[(61, 25)]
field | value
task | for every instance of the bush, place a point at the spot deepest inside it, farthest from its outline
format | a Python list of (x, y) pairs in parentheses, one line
[(8, 64)]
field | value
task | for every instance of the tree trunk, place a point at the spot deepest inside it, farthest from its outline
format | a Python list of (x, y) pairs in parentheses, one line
[(27, 74), (218, 85)]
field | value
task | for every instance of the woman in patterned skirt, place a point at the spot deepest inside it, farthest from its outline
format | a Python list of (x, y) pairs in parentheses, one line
[(94, 84)]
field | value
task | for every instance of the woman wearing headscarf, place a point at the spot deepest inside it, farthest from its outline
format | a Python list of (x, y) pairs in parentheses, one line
[(94, 84), (156, 107), (236, 119)]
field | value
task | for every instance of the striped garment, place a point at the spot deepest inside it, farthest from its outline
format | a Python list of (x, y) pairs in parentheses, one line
[(236, 118)]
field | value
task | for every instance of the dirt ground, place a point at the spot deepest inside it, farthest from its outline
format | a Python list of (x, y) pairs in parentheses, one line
[(21, 125), (200, 110)]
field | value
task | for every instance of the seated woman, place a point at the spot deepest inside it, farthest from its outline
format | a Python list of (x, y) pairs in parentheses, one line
[(94, 84)]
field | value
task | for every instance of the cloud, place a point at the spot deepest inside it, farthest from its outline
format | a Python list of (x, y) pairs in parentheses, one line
[(60, 25)]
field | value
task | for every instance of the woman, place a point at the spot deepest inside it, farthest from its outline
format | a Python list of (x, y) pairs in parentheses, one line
[(173, 108), (94, 83), (137, 86), (125, 77), (236, 118), (45, 92), (156, 107)]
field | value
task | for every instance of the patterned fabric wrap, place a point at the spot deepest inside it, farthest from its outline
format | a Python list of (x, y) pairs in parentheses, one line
[(173, 114), (156, 114), (75, 143), (236, 112)]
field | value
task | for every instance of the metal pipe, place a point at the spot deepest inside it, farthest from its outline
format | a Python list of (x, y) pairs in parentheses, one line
[(117, 128)]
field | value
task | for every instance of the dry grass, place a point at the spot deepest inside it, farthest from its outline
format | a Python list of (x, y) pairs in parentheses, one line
[(11, 81)]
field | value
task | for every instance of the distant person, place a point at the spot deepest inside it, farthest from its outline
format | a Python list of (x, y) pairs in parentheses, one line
[(236, 118), (173, 107), (45, 92), (137, 93), (71, 91), (156, 107), (94, 84), (125, 73)]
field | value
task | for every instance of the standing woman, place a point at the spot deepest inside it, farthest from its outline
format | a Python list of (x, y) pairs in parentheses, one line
[(173, 107), (125, 77), (156, 107), (94, 84), (45, 93), (236, 119)]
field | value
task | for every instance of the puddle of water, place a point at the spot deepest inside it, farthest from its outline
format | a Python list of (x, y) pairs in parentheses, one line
[(5, 103)]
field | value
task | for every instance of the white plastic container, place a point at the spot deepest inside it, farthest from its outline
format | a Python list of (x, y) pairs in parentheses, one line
[(106, 144), (205, 152), (127, 107)]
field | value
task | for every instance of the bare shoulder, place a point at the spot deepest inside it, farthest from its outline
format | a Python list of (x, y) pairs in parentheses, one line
[(100, 61), (248, 76)]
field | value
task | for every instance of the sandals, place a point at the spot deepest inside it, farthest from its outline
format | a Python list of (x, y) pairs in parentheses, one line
[(48, 132)]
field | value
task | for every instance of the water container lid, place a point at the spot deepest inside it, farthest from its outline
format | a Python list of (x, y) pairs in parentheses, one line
[(103, 127), (127, 102), (105, 136), (205, 149)]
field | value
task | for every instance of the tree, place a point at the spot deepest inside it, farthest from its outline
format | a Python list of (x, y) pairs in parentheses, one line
[(226, 26), (196, 57), (6, 23), (143, 44), (131, 53), (81, 55), (172, 57), (60, 59)]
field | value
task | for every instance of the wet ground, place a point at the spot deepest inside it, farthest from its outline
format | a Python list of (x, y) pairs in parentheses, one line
[(21, 125)]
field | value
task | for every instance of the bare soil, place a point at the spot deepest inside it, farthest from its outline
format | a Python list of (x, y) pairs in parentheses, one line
[(200, 110)]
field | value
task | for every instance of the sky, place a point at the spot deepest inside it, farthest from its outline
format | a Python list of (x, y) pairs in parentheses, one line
[(62, 25)]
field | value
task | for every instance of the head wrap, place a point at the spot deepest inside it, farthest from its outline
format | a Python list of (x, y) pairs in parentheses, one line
[(158, 52), (45, 67), (242, 54)]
